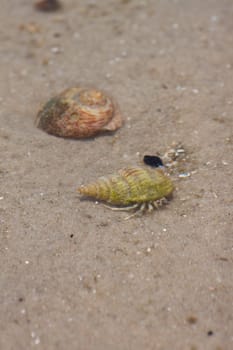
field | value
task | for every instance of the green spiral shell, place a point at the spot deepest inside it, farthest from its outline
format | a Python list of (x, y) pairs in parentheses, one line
[(130, 186)]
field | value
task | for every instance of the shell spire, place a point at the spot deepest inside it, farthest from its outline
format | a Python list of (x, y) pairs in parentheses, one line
[(98, 190)]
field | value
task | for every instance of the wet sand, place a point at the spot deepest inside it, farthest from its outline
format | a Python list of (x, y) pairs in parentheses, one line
[(75, 275)]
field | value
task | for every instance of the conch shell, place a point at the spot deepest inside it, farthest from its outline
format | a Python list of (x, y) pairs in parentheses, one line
[(79, 113), (131, 188)]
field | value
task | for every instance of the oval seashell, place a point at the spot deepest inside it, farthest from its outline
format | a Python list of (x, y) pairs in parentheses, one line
[(78, 113), (130, 186)]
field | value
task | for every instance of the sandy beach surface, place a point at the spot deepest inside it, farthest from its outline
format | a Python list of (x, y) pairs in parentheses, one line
[(75, 275)]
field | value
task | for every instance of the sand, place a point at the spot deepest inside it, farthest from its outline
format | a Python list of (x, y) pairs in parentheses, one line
[(75, 275)]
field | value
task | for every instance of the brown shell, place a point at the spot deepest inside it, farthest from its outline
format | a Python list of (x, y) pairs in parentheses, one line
[(78, 113)]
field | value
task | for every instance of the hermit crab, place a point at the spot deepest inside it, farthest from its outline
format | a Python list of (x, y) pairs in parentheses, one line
[(79, 112), (133, 188)]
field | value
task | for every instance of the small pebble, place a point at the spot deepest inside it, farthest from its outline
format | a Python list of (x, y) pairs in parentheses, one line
[(47, 5), (55, 50), (183, 175), (192, 320), (224, 162)]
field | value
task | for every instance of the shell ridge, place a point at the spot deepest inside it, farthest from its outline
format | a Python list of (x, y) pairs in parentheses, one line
[(137, 179), (133, 179), (104, 188), (121, 190)]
